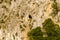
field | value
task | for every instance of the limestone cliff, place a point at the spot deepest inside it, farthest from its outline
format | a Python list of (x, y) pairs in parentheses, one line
[(17, 17)]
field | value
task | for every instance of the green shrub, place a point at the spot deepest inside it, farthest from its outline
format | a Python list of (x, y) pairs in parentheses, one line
[(35, 34), (52, 29)]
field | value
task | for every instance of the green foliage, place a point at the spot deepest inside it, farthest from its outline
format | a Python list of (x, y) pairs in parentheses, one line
[(49, 27), (55, 9), (52, 31), (35, 34), (51, 38)]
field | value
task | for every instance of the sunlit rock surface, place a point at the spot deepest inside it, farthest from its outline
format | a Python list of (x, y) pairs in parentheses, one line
[(17, 17)]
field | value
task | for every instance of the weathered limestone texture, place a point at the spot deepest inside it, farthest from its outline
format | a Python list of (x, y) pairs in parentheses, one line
[(17, 17)]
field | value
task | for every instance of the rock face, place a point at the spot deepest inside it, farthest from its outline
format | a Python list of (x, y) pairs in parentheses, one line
[(17, 17)]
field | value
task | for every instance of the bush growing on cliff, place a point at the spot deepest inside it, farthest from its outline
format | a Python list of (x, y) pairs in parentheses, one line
[(35, 34), (52, 31)]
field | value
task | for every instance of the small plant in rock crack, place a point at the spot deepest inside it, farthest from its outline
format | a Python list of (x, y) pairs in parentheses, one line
[(55, 9)]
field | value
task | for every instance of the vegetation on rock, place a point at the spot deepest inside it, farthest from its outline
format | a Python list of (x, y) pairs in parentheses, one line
[(35, 34), (52, 31), (55, 8)]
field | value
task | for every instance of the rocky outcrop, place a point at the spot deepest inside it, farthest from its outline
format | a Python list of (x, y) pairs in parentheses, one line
[(17, 17)]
